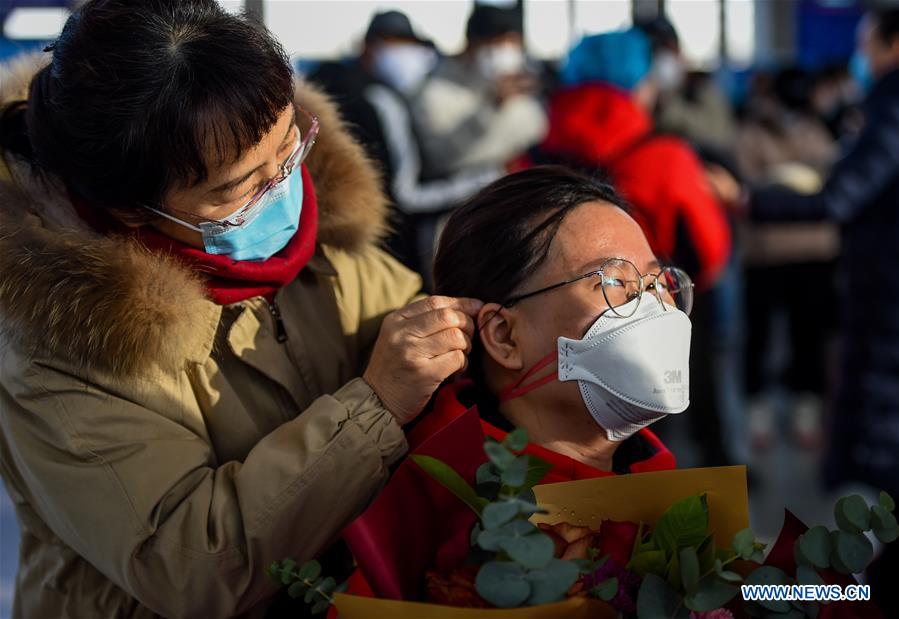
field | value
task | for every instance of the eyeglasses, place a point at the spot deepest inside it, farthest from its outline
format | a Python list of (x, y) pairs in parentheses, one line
[(622, 282), (247, 211)]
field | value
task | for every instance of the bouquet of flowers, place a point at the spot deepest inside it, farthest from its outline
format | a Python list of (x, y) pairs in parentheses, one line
[(467, 535)]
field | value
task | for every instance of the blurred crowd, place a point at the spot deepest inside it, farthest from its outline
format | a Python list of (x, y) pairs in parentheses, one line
[(743, 194)]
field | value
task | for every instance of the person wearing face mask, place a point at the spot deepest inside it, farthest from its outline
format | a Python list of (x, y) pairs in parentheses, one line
[(373, 94), (689, 104), (479, 108), (584, 339), (206, 360), (861, 194)]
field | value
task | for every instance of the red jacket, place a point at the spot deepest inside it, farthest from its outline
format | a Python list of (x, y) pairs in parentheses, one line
[(448, 407), (659, 175)]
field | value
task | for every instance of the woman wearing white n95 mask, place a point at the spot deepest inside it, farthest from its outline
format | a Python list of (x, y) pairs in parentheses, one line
[(584, 337)]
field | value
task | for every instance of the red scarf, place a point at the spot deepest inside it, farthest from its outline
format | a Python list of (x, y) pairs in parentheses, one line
[(227, 281)]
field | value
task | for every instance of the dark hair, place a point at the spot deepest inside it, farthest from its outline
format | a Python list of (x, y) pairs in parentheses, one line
[(138, 92), (487, 21), (498, 238), (887, 24), (793, 88)]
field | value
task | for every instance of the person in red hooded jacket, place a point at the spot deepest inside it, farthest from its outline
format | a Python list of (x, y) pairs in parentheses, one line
[(601, 118)]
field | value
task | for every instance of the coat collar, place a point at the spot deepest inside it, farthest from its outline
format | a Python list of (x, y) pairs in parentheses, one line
[(107, 303)]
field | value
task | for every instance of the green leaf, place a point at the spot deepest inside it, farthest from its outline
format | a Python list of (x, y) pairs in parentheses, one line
[(327, 586), (672, 571), (855, 551), (816, 546), (711, 593), (726, 574), (311, 570), (499, 455), (503, 584), (884, 525), (767, 575), (757, 556), (490, 540), (606, 590), (887, 502), (517, 439), (685, 523), (532, 551), (486, 473), (689, 569), (656, 599), (852, 514), (537, 470), (297, 589), (743, 542), (550, 583), (706, 552), (806, 575), (648, 562), (451, 480), (497, 514), (527, 508), (516, 473)]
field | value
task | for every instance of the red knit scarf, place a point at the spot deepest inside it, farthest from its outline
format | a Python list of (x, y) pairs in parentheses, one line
[(227, 281)]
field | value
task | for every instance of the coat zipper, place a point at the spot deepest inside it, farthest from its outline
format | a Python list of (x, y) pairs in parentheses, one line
[(280, 331)]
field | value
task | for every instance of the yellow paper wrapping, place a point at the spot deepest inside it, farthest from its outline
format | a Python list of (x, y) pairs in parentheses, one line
[(355, 607), (641, 497), (644, 497)]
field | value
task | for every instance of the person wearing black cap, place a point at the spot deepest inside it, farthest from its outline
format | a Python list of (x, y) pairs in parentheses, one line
[(479, 109), (372, 92)]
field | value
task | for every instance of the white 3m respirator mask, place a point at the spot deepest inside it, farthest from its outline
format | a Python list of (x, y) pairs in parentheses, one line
[(630, 371)]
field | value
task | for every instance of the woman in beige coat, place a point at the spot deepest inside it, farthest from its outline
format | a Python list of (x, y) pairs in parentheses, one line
[(203, 367)]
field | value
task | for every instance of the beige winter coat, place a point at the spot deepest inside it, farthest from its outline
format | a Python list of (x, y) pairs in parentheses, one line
[(161, 450)]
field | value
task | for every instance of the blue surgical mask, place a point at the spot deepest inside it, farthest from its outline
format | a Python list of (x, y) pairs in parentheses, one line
[(262, 231), (860, 69)]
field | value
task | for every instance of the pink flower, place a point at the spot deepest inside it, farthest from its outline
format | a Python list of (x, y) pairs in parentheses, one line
[(720, 613)]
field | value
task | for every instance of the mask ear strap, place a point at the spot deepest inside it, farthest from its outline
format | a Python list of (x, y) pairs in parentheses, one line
[(519, 389)]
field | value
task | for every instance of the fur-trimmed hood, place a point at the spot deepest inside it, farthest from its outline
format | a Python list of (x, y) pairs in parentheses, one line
[(109, 304)]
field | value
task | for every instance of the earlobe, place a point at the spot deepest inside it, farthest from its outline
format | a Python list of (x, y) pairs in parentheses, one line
[(497, 336)]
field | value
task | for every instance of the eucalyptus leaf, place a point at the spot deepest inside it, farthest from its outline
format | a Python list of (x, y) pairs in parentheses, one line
[(689, 569), (648, 562), (297, 589), (497, 514), (551, 583), (327, 586), (527, 508), (816, 546), (886, 501), (516, 473), (451, 480), (806, 575), (757, 556), (311, 570), (498, 454), (726, 574), (486, 473), (884, 525), (517, 439), (767, 575), (855, 551), (606, 590), (656, 599), (852, 514), (503, 584), (532, 551), (711, 593), (475, 532), (320, 607), (490, 540), (685, 523), (742, 543)]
